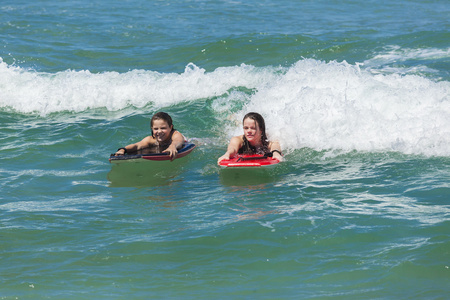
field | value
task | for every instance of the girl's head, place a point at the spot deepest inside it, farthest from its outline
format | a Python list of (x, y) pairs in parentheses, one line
[(161, 126), (255, 128)]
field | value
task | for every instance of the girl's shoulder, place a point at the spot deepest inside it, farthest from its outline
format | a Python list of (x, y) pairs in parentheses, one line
[(149, 140), (239, 139), (176, 133)]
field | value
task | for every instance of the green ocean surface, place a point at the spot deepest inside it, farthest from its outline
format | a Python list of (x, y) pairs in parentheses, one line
[(356, 93)]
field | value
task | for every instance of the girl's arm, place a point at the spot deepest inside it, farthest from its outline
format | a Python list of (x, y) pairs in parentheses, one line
[(146, 142), (233, 148), (275, 148), (177, 142)]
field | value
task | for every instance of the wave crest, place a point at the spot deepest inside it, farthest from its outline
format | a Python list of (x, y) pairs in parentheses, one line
[(312, 103)]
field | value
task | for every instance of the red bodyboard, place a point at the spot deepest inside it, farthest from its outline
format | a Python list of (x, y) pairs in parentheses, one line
[(250, 161)]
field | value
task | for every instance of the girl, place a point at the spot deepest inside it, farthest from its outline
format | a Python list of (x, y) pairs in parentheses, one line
[(164, 137), (254, 140)]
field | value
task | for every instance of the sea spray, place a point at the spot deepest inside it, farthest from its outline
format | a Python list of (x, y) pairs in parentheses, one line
[(341, 106), (27, 91), (316, 104)]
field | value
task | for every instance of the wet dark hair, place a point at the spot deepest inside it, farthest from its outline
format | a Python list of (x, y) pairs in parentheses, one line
[(262, 126), (161, 116)]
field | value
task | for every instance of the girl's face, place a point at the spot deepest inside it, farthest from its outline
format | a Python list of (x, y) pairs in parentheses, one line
[(161, 130), (252, 131)]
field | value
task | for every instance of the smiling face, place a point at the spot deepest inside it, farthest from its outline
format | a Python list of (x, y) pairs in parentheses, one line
[(252, 132), (161, 130)]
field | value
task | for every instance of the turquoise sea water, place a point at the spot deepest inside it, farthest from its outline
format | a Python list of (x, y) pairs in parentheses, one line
[(357, 93)]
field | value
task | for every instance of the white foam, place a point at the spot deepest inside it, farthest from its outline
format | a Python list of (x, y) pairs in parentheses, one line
[(339, 106), (28, 91), (393, 59), (396, 53), (310, 104), (43, 205)]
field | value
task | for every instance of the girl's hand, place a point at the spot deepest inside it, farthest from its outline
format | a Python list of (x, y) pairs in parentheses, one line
[(121, 151), (277, 156), (172, 150), (225, 156)]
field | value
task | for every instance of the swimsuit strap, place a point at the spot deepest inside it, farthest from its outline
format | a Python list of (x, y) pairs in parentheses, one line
[(248, 149)]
